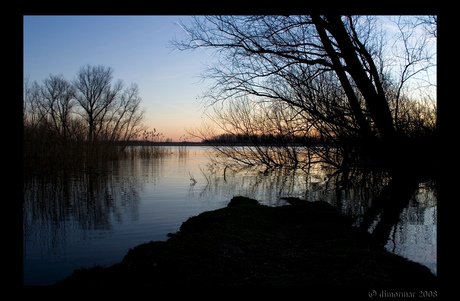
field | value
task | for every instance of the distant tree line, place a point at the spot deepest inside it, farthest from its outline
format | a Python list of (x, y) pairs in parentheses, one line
[(260, 139), (78, 123)]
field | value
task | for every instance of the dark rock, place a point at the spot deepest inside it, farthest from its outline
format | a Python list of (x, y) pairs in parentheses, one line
[(308, 244)]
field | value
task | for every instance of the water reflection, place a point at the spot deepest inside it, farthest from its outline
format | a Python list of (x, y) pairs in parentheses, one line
[(415, 237), (63, 212), (75, 220)]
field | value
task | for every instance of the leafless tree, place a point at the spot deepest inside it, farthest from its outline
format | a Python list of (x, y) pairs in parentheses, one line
[(430, 24), (344, 76), (124, 122), (331, 68), (96, 96), (58, 100), (268, 133), (85, 120), (32, 113)]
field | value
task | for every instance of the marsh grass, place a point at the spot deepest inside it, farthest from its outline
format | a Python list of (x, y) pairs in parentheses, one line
[(146, 152), (47, 153)]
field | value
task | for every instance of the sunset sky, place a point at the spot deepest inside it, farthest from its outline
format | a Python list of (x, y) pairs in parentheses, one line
[(136, 48)]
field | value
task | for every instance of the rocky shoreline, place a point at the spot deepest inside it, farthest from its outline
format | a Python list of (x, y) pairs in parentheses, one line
[(304, 244)]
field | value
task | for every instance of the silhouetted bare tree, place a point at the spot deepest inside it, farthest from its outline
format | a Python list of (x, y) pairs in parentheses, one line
[(83, 121), (352, 91), (331, 68), (96, 96), (58, 99)]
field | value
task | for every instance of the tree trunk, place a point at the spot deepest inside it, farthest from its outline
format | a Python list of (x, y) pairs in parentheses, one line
[(376, 102), (364, 128)]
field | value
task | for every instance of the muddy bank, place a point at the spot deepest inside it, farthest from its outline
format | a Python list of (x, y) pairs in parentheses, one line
[(246, 244)]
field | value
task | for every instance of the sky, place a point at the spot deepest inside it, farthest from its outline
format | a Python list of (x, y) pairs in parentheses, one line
[(136, 47)]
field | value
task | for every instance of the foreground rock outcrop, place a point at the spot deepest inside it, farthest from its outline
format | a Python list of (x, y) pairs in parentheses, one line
[(307, 244)]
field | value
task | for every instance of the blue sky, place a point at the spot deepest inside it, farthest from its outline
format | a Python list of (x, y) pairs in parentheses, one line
[(136, 48)]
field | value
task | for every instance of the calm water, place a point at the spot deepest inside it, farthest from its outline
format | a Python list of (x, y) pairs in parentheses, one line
[(85, 220)]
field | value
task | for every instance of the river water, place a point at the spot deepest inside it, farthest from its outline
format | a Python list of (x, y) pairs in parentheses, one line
[(83, 220)]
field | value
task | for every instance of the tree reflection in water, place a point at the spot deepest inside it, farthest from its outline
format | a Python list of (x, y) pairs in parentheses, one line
[(97, 212), (393, 210)]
